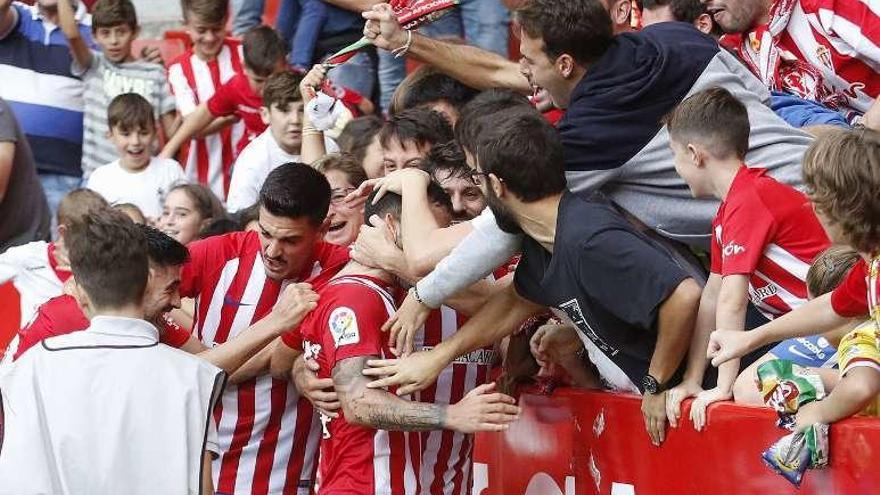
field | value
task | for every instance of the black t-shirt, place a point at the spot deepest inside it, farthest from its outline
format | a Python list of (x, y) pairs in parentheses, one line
[(607, 278)]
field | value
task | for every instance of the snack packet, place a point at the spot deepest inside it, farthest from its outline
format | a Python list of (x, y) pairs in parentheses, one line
[(785, 387)]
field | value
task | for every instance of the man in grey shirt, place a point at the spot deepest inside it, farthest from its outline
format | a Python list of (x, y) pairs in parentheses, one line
[(616, 91), (24, 213)]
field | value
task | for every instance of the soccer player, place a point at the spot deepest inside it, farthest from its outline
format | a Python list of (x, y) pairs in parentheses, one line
[(268, 434), (105, 410), (364, 447), (194, 77)]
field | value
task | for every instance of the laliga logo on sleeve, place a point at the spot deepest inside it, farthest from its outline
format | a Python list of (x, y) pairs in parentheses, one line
[(343, 327), (732, 249)]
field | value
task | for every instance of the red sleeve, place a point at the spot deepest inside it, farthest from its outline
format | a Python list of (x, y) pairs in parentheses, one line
[(224, 102), (850, 299), (57, 316), (173, 334), (293, 338), (746, 228), (352, 325)]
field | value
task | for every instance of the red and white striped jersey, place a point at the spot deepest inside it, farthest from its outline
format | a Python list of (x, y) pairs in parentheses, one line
[(768, 231), (821, 50), (267, 434), (33, 271), (347, 324), (446, 455), (193, 81)]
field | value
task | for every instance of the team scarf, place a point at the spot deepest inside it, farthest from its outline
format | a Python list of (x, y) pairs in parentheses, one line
[(411, 14), (777, 67)]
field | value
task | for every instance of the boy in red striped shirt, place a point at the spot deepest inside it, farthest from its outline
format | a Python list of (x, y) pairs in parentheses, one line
[(194, 77), (765, 236)]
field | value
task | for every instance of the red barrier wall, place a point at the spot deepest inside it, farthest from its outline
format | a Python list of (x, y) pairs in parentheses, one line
[(577, 442)]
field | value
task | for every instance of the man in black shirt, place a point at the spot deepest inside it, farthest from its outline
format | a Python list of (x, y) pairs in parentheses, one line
[(633, 307)]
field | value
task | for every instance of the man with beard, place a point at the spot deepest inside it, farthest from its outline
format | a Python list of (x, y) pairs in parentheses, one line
[(581, 258), (824, 51)]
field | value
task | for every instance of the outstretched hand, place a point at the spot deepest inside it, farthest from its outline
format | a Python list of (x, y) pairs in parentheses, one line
[(382, 28)]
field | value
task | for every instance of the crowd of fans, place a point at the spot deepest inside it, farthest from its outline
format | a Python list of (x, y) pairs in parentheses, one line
[(246, 271)]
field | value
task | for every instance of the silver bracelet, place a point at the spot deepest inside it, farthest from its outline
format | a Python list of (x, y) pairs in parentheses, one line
[(400, 52), (415, 293)]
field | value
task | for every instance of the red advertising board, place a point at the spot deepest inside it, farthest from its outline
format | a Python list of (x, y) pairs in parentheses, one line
[(577, 442)]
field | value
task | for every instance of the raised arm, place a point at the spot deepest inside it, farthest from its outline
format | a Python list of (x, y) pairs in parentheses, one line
[(80, 50), (472, 66), (194, 123), (480, 410), (9, 16)]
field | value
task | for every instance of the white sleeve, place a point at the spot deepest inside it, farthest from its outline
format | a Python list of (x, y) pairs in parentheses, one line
[(481, 252), (244, 186), (11, 263)]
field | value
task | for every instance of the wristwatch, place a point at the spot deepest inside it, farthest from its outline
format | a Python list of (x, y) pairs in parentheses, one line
[(652, 386)]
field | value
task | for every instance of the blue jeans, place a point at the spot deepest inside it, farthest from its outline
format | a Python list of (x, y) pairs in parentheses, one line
[(359, 74), (245, 15), (56, 187), (485, 24)]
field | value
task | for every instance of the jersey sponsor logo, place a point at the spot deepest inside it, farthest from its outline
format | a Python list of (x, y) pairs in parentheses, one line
[(230, 301), (486, 357), (732, 249), (761, 293), (343, 326)]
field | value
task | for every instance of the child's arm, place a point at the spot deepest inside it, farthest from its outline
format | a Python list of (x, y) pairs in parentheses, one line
[(854, 391), (312, 147), (170, 124), (730, 314), (81, 52), (193, 123)]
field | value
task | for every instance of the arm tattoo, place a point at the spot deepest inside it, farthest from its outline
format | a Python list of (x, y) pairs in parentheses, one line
[(381, 409)]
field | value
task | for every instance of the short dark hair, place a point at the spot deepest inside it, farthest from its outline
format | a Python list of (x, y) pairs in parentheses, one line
[(713, 118), (682, 10), (281, 90), (580, 28), (358, 134), (162, 249), (423, 126), (248, 215), (447, 157), (296, 190), (471, 120), (392, 203), (219, 226), (427, 85), (208, 11), (79, 203), (109, 13), (108, 257), (524, 151), (130, 112), (263, 49)]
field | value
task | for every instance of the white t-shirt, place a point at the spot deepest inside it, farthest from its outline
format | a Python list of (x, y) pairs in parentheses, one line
[(260, 157), (145, 189)]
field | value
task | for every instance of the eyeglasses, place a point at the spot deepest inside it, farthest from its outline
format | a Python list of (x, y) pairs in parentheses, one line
[(337, 196), (479, 178)]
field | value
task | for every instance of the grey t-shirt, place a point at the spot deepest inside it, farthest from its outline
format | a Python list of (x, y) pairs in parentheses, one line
[(24, 214)]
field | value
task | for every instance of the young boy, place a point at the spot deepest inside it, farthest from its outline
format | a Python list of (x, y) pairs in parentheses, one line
[(194, 77), (765, 236), (842, 173), (110, 73), (135, 177), (408, 137), (264, 53), (282, 111)]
